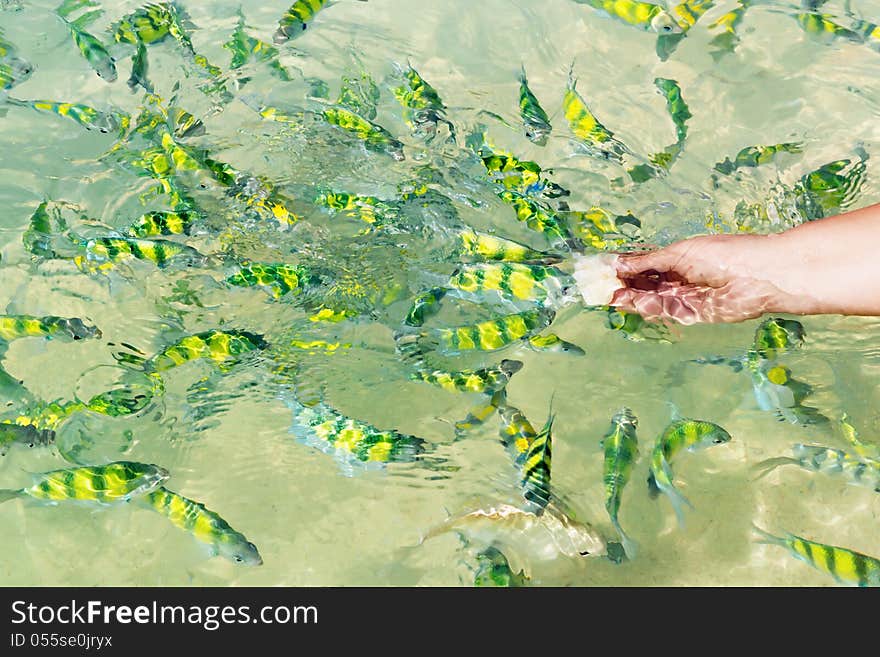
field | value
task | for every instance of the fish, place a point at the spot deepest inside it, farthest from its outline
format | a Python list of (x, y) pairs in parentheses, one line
[(553, 343), (148, 25), (830, 188), (642, 15), (621, 448), (818, 458), (634, 327), (537, 217), (93, 50), (222, 347), (375, 212), (534, 118), (680, 434), (493, 247), (822, 25), (87, 117), (755, 156), (865, 451), (159, 223), (28, 435), (139, 69), (244, 47), (479, 414), (13, 68), (586, 127), (425, 305), (494, 570), (103, 253), (598, 228), (726, 39), (205, 525), (121, 402), (535, 469), (844, 565), (375, 137), (423, 108), (13, 327), (512, 280), (776, 390), (297, 18), (277, 279), (685, 14), (487, 380), (517, 433), (543, 536), (490, 335), (778, 335), (680, 113), (360, 95), (523, 177), (350, 440), (112, 483)]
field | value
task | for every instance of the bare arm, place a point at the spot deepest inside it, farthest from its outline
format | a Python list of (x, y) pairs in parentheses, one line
[(821, 267)]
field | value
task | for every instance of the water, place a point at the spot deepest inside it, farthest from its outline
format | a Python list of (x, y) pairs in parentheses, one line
[(224, 433)]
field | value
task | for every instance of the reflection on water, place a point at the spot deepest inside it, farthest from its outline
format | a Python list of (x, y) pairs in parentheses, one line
[(320, 280)]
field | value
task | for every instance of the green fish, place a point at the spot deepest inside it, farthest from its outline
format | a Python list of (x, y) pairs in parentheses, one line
[(776, 390), (360, 95), (102, 253), (586, 127), (515, 175), (777, 335), (686, 15), (821, 25), (599, 229), (277, 279), (487, 380), (865, 451), (537, 217), (205, 525), (375, 137), (553, 343), (87, 117), (349, 440), (534, 118), (373, 211), (162, 222), (139, 69), (423, 108), (425, 305), (148, 25), (512, 280), (634, 327), (681, 434), (490, 335), (13, 327), (13, 69), (642, 15), (621, 448), (297, 18), (844, 565), (494, 570), (818, 458), (680, 113), (107, 484), (244, 47), (755, 156), (830, 188), (93, 50), (46, 223), (220, 347), (726, 39), (22, 434), (517, 433), (480, 413), (492, 247), (535, 470)]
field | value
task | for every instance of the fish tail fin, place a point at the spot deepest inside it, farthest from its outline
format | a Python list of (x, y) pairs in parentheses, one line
[(766, 538), (522, 73), (653, 488), (767, 466), (678, 501), (630, 546), (8, 494)]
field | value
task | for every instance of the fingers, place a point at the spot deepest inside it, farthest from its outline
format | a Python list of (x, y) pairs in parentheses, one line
[(661, 260), (689, 304)]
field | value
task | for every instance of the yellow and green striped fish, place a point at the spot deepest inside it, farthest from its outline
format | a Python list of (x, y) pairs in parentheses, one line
[(103, 252), (818, 458), (425, 305), (277, 279), (517, 433), (220, 347), (844, 565), (375, 212), (511, 280), (87, 117), (621, 447), (586, 127), (205, 525), (23, 434), (642, 15), (244, 47), (554, 344), (537, 217), (492, 334), (421, 103), (866, 451), (375, 137), (535, 470), (163, 222), (831, 187), (487, 380), (297, 18), (148, 24), (13, 327), (107, 484), (778, 335), (492, 247), (679, 435), (93, 50), (755, 156), (480, 413), (822, 25), (534, 118)]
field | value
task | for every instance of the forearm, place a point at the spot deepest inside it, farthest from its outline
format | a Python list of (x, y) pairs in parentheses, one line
[(827, 266)]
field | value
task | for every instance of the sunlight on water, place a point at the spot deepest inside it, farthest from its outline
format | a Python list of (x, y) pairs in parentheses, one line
[(322, 278)]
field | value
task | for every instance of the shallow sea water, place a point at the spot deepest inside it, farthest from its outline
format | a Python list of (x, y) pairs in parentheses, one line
[(317, 521)]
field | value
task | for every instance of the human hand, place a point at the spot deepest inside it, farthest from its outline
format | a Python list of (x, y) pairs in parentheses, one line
[(712, 278)]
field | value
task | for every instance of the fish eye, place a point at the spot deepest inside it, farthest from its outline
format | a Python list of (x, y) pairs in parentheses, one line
[(585, 553), (304, 27), (238, 559)]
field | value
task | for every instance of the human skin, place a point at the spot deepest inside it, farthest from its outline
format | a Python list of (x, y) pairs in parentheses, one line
[(828, 266)]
